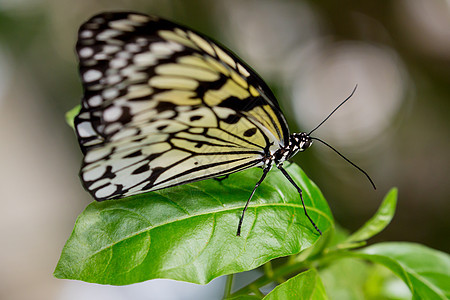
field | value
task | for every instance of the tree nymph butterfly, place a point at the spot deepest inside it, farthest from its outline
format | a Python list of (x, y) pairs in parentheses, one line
[(165, 105)]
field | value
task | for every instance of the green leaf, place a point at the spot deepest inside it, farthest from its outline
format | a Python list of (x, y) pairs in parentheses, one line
[(344, 278), (378, 222), (188, 232), (70, 115), (306, 285), (426, 271), (353, 278)]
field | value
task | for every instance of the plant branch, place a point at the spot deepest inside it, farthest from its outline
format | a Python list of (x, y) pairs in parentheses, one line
[(228, 285), (291, 267)]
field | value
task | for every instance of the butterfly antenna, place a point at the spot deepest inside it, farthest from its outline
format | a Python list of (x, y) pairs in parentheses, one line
[(342, 103), (348, 160)]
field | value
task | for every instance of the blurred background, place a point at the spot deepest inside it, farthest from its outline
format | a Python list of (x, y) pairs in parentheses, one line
[(311, 53)]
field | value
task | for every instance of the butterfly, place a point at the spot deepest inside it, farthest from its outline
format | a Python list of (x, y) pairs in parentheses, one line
[(165, 105)]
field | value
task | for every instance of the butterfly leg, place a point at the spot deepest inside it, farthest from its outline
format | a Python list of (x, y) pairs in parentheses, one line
[(301, 197), (265, 171), (221, 178)]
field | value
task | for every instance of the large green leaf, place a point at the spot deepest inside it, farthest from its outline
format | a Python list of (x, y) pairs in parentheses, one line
[(306, 285), (189, 232), (426, 271)]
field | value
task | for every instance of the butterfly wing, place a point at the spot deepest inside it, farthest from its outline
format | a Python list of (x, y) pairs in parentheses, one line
[(164, 105)]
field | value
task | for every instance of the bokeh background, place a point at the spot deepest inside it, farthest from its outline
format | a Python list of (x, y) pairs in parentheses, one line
[(311, 53)]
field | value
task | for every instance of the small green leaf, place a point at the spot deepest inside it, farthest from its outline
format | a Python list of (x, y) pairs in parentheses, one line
[(70, 116), (188, 232), (378, 222), (306, 285), (426, 271)]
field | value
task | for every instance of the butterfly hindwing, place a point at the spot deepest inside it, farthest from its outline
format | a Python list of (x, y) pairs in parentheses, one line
[(164, 105)]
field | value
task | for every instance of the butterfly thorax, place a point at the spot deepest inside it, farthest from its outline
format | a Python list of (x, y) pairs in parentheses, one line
[(297, 142)]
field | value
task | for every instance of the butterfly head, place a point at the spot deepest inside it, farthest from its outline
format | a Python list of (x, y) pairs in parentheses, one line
[(297, 142), (301, 140)]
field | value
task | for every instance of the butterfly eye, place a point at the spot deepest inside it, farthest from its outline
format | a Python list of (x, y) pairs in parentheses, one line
[(305, 144)]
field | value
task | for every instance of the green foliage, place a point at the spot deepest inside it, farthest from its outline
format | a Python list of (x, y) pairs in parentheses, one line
[(424, 270), (306, 285), (188, 233)]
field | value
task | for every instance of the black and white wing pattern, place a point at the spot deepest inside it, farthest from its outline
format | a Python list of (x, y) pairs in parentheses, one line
[(164, 105)]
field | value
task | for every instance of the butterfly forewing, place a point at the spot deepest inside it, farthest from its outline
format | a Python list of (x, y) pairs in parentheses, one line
[(164, 105)]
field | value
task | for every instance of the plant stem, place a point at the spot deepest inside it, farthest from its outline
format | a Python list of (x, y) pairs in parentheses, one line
[(268, 270), (228, 285), (255, 289)]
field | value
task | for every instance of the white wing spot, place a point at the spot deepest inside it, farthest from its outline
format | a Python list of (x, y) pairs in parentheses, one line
[(113, 79), (161, 48), (85, 129), (95, 100), (124, 54), (107, 34), (101, 56), (133, 48), (85, 34), (112, 114), (125, 133), (109, 49), (174, 46), (132, 73), (112, 128), (137, 91), (123, 25), (145, 59), (92, 75), (118, 63), (86, 52), (98, 183), (110, 93), (105, 192), (141, 41), (94, 173), (139, 18), (96, 154)]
